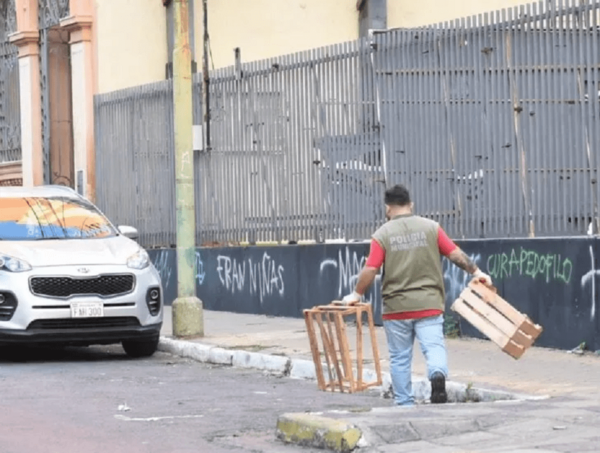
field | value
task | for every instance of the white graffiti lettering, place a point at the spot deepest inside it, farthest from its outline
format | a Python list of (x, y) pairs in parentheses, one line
[(265, 276), (590, 278), (161, 263), (348, 266), (200, 274)]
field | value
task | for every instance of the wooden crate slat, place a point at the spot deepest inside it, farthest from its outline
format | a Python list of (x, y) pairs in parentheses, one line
[(359, 347), (314, 348), (490, 295), (334, 352), (523, 339), (344, 348), (371, 324), (492, 298), (513, 349), (531, 329), (489, 312), (327, 347), (481, 324)]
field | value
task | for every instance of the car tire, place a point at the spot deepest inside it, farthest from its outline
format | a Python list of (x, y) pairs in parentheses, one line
[(140, 348)]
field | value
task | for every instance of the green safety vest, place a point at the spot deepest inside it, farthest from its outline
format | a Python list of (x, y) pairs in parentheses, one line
[(412, 275)]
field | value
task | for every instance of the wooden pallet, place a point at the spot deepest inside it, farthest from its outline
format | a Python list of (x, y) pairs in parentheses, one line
[(329, 321), (497, 319)]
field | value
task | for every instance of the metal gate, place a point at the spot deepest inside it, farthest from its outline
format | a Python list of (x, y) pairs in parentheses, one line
[(10, 112), (55, 77)]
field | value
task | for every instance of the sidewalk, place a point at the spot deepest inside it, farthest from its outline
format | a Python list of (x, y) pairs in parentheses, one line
[(539, 372), (566, 422)]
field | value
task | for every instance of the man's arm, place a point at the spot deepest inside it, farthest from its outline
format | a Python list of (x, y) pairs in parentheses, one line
[(460, 258), (451, 251), (368, 273), (365, 279)]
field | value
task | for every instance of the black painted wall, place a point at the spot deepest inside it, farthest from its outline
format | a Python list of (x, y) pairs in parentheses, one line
[(551, 280)]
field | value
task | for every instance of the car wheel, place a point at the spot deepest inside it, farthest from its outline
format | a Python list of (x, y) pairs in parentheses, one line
[(140, 348)]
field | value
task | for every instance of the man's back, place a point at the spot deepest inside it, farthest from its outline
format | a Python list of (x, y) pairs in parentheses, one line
[(412, 268)]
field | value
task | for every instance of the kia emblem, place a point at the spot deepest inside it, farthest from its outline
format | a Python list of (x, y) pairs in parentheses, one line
[(83, 270)]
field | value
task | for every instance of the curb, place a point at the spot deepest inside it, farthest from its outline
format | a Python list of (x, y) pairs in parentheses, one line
[(305, 369), (242, 359), (319, 432)]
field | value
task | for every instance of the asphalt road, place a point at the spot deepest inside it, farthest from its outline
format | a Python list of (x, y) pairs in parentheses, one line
[(87, 400)]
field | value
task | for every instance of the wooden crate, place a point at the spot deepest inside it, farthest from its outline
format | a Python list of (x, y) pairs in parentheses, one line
[(329, 321), (497, 319)]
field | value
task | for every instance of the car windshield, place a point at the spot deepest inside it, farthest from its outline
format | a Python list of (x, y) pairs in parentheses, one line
[(40, 218)]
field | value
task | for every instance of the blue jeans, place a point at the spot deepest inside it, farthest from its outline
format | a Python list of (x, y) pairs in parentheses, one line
[(400, 337)]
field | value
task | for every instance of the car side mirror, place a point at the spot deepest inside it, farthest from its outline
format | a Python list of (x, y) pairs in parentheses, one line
[(129, 232)]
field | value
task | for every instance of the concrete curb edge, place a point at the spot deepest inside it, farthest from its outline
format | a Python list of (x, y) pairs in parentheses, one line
[(305, 369), (317, 431)]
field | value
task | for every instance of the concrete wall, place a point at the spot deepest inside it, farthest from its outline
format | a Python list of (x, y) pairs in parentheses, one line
[(131, 43), (131, 35), (268, 28), (551, 280)]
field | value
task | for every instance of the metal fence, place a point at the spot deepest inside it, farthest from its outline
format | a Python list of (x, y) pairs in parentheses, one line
[(492, 122), (135, 161), (283, 131)]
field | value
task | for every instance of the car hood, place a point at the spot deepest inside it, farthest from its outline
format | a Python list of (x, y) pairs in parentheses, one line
[(76, 252)]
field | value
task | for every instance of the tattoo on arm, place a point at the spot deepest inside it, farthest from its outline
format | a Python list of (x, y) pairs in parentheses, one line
[(461, 259)]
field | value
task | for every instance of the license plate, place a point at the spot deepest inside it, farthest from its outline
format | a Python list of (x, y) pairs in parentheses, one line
[(87, 310)]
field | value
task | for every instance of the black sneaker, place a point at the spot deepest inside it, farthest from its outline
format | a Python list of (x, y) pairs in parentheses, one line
[(438, 389)]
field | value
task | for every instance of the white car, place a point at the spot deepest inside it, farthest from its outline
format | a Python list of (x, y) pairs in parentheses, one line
[(69, 277)]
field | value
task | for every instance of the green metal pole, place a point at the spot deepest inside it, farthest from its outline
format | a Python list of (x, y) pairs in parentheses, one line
[(187, 308)]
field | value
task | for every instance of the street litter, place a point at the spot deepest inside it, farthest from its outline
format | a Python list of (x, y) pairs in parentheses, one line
[(577, 349)]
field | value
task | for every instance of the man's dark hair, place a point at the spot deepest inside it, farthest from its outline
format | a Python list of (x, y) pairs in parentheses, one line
[(397, 196)]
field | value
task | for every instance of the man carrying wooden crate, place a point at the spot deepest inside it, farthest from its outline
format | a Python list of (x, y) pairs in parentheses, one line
[(410, 249)]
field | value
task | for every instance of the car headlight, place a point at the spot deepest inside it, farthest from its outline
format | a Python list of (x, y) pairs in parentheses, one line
[(140, 260), (11, 264)]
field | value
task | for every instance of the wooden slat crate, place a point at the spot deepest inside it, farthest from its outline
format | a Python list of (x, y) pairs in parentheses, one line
[(329, 321), (496, 318)]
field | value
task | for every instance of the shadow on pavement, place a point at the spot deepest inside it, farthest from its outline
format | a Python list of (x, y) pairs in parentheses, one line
[(38, 354)]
